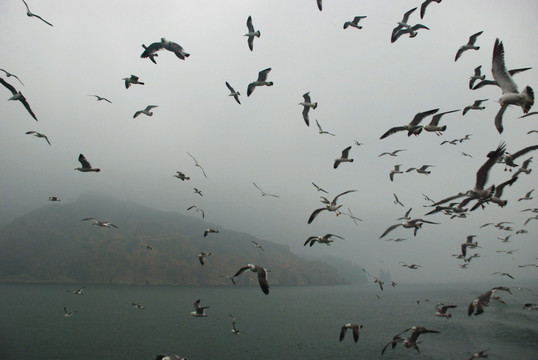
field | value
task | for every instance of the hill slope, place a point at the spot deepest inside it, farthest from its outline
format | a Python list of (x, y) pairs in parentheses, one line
[(52, 244)]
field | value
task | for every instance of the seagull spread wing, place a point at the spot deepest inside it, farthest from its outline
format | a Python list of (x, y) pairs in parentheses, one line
[(498, 69)]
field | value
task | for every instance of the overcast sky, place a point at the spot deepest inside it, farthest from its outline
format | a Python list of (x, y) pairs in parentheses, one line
[(363, 84)]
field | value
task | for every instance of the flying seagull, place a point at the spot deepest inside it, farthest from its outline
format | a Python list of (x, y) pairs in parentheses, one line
[(100, 98), (433, 126), (30, 14), (169, 357), (478, 304), (487, 82), (510, 94), (263, 192), (233, 93), (39, 135), (479, 355), (325, 239), (151, 56), (413, 128), (203, 255), (262, 80), (330, 206), (469, 46), (197, 210), (397, 201), (17, 95), (414, 223), (86, 166), (441, 310), (164, 44), (403, 27), (147, 111), (343, 157), (421, 170), (8, 74), (198, 310), (251, 33), (321, 131), (256, 245), (68, 314), (133, 79), (262, 276), (354, 23), (99, 223), (474, 106), (319, 189), (196, 164), (78, 291), (209, 231), (307, 104), (410, 341), (425, 5), (393, 153), (476, 76), (54, 198), (181, 176), (395, 171), (137, 306), (354, 327)]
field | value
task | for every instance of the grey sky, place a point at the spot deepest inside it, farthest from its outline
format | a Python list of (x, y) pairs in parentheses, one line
[(363, 84)]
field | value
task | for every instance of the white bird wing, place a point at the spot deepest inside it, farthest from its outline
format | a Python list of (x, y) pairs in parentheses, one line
[(498, 69)]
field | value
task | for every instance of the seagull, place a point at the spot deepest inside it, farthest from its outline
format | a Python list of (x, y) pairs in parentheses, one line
[(354, 327), (235, 331), (394, 171), (78, 291), (54, 198), (133, 79), (68, 314), (410, 341), (441, 310), (478, 304), (479, 355), (527, 196), (503, 273), (17, 95), (198, 310), (262, 80), (197, 191), (325, 239), (164, 44), (151, 56), (343, 157), (86, 167), (487, 82), (505, 239), (330, 206), (469, 46), (321, 131), (100, 98), (451, 142), (196, 164), (406, 215), (413, 128), (137, 306), (433, 126), (509, 158), (307, 104), (197, 210), (496, 197), (202, 255), (468, 244), (414, 223), (510, 94), (319, 189), (403, 27), (524, 168), (181, 176), (378, 281), (412, 266), (256, 245), (251, 33), (476, 76), (30, 14), (354, 23), (421, 170), (39, 135), (465, 154), (262, 275), (209, 231), (535, 217), (263, 192), (475, 106), (169, 357), (8, 74), (99, 223), (424, 5), (233, 93), (147, 111), (508, 252), (394, 153), (397, 201)]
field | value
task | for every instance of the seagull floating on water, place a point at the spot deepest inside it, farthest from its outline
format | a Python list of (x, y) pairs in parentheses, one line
[(17, 95), (262, 81), (251, 33), (469, 46), (30, 14), (86, 166)]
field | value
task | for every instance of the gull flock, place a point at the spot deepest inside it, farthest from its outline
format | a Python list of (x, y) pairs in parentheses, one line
[(480, 195)]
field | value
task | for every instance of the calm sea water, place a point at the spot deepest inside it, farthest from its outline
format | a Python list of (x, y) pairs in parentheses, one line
[(289, 323)]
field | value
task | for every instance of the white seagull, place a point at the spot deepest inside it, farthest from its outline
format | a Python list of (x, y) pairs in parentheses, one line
[(263, 192), (474, 106), (251, 33), (478, 304), (469, 46), (413, 223), (354, 23), (100, 98), (476, 76), (8, 74), (330, 206), (233, 93), (147, 111), (325, 239), (203, 255), (99, 223), (149, 51), (30, 14), (510, 94), (17, 95), (321, 131), (393, 153), (413, 128), (262, 275), (441, 310), (343, 157), (319, 189), (133, 79), (86, 166), (307, 104), (262, 80), (433, 126), (39, 135), (395, 171), (197, 164)]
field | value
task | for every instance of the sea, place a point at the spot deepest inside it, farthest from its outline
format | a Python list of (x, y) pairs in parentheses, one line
[(292, 322)]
